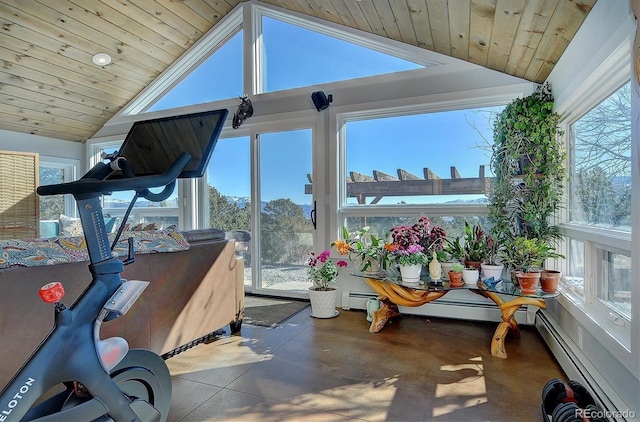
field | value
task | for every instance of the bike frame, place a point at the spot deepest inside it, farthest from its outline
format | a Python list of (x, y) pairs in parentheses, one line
[(69, 353)]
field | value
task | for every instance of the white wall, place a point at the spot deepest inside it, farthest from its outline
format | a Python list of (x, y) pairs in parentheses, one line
[(46, 147)]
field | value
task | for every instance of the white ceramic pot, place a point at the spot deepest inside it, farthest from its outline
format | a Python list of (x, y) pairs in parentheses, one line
[(373, 267), (494, 271), (410, 273), (470, 276), (323, 303)]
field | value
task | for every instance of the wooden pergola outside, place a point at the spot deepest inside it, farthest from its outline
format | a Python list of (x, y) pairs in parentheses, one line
[(362, 186)]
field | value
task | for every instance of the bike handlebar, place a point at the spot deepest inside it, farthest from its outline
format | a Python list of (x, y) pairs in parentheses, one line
[(87, 185)]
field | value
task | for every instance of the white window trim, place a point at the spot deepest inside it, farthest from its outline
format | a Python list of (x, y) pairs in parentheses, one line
[(588, 309)]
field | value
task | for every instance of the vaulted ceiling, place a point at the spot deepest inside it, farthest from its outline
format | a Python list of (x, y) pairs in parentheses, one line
[(50, 87)]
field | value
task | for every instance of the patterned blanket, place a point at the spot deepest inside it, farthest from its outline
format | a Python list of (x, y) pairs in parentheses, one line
[(61, 250)]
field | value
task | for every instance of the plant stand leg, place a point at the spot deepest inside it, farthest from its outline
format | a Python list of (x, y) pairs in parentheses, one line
[(509, 325), (380, 317)]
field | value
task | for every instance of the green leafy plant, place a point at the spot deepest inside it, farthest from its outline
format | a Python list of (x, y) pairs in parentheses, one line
[(474, 243), (528, 163), (491, 249), (527, 255), (322, 270), (457, 267), (454, 248), (361, 246)]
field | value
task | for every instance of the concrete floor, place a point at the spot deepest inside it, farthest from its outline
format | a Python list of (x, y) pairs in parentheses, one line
[(415, 369)]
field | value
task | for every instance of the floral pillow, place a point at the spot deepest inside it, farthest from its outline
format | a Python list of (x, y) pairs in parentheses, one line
[(60, 250)]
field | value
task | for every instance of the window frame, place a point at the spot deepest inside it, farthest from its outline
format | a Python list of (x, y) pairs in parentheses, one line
[(608, 78), (70, 168)]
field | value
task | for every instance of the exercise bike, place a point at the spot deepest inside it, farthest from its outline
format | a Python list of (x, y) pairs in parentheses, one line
[(103, 380)]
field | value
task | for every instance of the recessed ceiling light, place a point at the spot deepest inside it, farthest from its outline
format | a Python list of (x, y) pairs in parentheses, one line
[(101, 59)]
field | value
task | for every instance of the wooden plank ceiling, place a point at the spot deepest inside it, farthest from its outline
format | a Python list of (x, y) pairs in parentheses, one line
[(50, 87)]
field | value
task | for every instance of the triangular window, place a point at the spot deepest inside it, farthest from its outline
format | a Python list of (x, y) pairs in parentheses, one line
[(219, 77), (294, 57)]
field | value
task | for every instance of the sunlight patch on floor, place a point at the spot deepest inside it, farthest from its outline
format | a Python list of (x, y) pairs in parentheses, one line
[(199, 358), (361, 400), (468, 390)]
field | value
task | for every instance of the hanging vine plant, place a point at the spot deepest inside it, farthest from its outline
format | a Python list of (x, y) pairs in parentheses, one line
[(528, 162)]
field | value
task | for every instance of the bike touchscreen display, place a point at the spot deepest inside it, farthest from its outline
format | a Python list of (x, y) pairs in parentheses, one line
[(151, 146)]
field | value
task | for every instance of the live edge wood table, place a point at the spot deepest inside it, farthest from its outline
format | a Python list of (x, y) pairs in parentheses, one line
[(393, 292)]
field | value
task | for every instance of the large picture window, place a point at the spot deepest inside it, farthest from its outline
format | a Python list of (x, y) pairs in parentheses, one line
[(601, 188), (428, 158), (598, 270)]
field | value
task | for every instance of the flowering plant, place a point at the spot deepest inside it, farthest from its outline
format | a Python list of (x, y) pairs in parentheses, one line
[(322, 270), (363, 245), (411, 255), (431, 238)]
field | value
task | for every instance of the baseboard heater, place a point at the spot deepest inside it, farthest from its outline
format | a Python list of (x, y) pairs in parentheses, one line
[(578, 367), (445, 308)]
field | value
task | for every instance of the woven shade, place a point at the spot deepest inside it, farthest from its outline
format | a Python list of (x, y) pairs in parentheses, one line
[(19, 207)]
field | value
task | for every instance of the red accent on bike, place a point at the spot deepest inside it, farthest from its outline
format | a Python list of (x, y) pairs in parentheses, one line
[(51, 292)]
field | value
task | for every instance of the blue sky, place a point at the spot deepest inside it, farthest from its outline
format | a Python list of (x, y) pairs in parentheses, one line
[(437, 140)]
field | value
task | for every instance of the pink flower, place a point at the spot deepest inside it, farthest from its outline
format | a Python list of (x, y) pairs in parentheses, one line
[(414, 248), (341, 264), (324, 255)]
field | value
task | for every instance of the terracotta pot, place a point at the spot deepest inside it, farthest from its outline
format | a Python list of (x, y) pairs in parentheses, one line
[(549, 280), (455, 279), (473, 264), (528, 282)]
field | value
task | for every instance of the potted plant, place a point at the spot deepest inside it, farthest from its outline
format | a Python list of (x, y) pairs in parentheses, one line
[(410, 260), (490, 265), (526, 257), (474, 245), (455, 275), (470, 275), (323, 272), (412, 245), (453, 252), (549, 280), (363, 247)]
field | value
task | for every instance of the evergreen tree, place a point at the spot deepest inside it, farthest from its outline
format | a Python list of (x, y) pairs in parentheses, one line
[(226, 215)]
